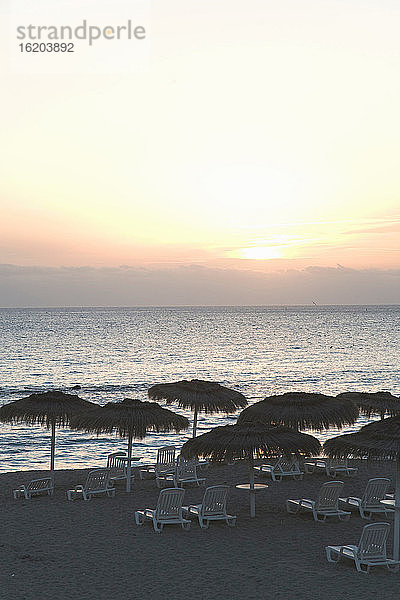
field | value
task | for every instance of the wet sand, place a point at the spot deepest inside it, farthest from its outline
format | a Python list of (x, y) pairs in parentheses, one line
[(55, 549)]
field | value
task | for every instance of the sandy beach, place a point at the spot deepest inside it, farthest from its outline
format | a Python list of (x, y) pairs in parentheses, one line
[(52, 548)]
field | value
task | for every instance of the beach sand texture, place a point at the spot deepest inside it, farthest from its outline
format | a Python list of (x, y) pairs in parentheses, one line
[(52, 548)]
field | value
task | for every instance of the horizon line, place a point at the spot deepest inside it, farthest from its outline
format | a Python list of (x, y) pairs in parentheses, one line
[(311, 304)]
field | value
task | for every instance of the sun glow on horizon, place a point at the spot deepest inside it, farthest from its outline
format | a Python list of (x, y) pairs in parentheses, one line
[(258, 253), (265, 140)]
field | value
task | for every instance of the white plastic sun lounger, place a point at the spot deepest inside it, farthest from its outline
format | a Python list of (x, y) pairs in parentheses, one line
[(34, 488), (212, 507), (116, 466), (369, 504), (331, 467), (370, 552), (165, 465), (326, 505), (168, 510), (185, 473), (282, 468), (97, 482)]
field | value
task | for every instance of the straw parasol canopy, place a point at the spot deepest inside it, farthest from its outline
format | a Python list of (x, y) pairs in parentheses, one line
[(302, 410), (380, 439), (249, 440), (371, 403), (130, 419), (51, 409), (199, 396)]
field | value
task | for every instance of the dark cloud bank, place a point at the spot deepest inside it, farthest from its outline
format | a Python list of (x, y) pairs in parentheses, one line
[(193, 285)]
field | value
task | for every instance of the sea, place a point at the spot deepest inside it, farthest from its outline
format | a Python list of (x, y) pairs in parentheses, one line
[(117, 353)]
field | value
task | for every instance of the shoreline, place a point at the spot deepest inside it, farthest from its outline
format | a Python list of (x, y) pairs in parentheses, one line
[(52, 548)]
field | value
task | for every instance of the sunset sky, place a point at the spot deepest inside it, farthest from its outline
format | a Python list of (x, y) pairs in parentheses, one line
[(257, 135)]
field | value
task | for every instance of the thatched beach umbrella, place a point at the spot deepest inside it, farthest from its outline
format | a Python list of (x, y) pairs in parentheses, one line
[(249, 440), (52, 409), (380, 439), (130, 419), (371, 403), (199, 396), (302, 410)]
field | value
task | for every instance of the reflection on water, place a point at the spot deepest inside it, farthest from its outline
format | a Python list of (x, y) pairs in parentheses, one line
[(118, 353), (29, 447)]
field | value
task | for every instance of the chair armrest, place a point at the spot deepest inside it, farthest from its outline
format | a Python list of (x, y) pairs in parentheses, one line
[(306, 501), (350, 548), (352, 500)]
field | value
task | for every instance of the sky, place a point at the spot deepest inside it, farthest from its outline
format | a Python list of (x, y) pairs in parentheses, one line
[(245, 152)]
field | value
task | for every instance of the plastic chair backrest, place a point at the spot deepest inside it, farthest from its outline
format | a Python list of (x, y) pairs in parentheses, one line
[(286, 465), (186, 469), (375, 491), (372, 545), (328, 498), (98, 479), (115, 464), (166, 457), (214, 500), (169, 503), (40, 484)]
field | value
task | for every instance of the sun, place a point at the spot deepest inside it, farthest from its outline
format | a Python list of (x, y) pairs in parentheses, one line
[(259, 253)]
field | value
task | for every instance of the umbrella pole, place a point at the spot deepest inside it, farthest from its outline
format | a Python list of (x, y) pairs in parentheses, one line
[(396, 539), (195, 422), (52, 447), (252, 492), (129, 465)]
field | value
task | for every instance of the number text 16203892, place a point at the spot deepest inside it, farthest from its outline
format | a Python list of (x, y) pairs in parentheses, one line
[(47, 47)]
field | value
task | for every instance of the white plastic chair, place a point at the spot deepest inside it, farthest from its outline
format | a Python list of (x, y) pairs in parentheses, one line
[(326, 505), (168, 510), (165, 464), (212, 507), (35, 487), (185, 472), (97, 482), (369, 504), (284, 467), (116, 466), (370, 552)]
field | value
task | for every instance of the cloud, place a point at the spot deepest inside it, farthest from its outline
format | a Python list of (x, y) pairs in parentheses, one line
[(393, 227), (26, 286)]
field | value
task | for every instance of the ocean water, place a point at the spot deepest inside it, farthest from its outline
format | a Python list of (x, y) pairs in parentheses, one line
[(115, 353)]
